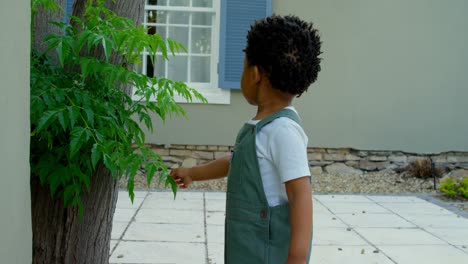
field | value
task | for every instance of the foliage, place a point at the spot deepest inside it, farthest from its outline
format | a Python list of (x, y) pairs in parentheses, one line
[(81, 119), (453, 189), (463, 187), (449, 187), (422, 168)]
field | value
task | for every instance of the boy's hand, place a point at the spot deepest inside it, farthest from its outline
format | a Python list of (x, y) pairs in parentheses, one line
[(182, 177)]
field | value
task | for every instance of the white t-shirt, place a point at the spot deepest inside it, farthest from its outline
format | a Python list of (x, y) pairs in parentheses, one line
[(282, 156)]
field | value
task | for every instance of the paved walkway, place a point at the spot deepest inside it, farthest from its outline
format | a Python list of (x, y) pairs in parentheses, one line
[(361, 229)]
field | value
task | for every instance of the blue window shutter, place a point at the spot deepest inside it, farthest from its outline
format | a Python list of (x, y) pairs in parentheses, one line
[(68, 10), (236, 18)]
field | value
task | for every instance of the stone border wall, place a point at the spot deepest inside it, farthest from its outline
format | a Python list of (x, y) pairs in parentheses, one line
[(320, 159)]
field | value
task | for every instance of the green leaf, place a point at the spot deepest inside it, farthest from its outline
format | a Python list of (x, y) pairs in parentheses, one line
[(73, 113), (171, 181), (46, 120), (90, 116), (77, 140), (95, 155), (61, 118)]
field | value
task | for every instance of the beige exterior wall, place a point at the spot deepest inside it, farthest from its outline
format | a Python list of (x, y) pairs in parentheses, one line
[(394, 78), (15, 202)]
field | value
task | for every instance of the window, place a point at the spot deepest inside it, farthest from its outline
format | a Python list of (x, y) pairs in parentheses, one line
[(195, 24)]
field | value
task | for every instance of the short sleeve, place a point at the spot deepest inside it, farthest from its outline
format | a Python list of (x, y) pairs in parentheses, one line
[(288, 150)]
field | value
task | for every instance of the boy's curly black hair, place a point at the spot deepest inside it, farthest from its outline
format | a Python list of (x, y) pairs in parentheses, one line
[(286, 49)]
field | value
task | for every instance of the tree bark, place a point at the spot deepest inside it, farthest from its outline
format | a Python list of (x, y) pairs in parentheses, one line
[(59, 236)]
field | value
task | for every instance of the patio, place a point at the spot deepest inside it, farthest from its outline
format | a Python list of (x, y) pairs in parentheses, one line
[(348, 229)]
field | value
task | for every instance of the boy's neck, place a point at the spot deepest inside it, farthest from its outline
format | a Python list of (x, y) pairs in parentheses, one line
[(271, 101)]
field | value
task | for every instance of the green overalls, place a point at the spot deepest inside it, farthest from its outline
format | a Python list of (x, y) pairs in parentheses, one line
[(254, 232)]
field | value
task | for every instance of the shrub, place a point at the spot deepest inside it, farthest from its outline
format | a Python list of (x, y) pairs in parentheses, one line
[(449, 187), (463, 187), (422, 168)]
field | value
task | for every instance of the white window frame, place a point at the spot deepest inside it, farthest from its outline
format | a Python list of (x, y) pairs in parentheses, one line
[(213, 93)]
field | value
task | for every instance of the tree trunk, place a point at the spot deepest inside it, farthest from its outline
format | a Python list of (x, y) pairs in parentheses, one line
[(59, 236)]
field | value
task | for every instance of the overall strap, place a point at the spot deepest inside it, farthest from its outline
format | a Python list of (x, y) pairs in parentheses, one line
[(289, 113)]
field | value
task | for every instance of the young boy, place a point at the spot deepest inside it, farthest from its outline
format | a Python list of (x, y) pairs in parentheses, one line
[(269, 200)]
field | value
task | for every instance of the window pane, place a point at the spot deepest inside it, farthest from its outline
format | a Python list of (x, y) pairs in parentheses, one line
[(161, 17), (201, 40), (153, 71), (179, 2), (157, 2), (179, 34), (200, 69), (178, 17), (199, 18), (202, 3), (161, 30), (177, 68)]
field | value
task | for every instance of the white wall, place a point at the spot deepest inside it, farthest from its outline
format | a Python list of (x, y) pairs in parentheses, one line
[(394, 78), (15, 202)]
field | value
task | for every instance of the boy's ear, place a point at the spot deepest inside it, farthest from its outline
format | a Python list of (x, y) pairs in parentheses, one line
[(256, 74)]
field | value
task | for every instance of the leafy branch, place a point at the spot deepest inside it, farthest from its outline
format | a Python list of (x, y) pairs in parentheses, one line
[(81, 119)]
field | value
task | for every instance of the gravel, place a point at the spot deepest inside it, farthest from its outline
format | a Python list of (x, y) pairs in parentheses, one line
[(383, 182)]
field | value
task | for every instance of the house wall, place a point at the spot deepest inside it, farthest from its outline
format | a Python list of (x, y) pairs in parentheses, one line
[(393, 78), (15, 202)]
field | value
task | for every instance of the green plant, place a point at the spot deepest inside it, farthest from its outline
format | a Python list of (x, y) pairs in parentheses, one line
[(463, 187), (448, 187), (81, 118)]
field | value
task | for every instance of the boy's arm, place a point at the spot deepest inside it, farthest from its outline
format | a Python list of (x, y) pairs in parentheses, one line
[(212, 170), (300, 202)]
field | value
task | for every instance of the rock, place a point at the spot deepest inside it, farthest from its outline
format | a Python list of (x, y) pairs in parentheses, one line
[(352, 157), (457, 159), (203, 155), (353, 164), (341, 169), (314, 156), (462, 165), (316, 170), (171, 159), (334, 157), (188, 163), (377, 158), (213, 148), (180, 152), (319, 163), (161, 151), (402, 159), (363, 153), (372, 166), (220, 154), (439, 159), (456, 175)]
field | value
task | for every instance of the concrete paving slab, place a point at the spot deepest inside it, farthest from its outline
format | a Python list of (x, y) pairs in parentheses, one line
[(215, 218), (324, 198), (454, 236), (180, 203), (375, 220), (118, 229), (396, 236), (425, 254), (425, 208), (215, 233), (464, 248), (318, 208), (348, 255), (327, 220), (218, 205), (126, 203), (215, 195), (159, 252), (124, 215), (395, 199), (180, 195), (215, 253), (168, 216), (337, 236), (165, 232), (357, 208), (138, 193), (437, 221)]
